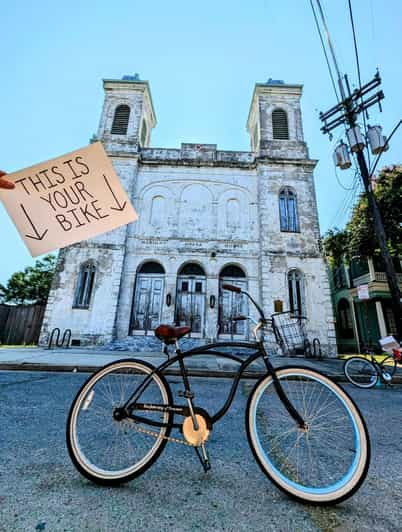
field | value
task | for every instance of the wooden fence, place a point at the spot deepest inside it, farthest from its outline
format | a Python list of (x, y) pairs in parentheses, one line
[(20, 324)]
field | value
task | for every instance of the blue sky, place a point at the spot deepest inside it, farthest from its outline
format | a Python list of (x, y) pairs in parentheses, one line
[(201, 60)]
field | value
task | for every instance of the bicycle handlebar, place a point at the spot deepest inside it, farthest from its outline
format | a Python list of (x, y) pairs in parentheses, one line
[(238, 290), (232, 288)]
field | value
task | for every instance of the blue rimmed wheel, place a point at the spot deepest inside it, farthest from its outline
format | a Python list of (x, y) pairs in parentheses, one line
[(325, 461)]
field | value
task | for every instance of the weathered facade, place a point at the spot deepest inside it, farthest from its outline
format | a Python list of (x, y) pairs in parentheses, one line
[(206, 217)]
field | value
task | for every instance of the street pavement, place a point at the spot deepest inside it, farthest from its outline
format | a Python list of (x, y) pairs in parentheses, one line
[(40, 490), (90, 359)]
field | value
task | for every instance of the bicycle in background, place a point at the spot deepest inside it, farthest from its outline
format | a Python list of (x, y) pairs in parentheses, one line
[(366, 372)]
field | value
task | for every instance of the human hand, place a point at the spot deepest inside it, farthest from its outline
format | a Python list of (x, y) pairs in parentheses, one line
[(4, 183)]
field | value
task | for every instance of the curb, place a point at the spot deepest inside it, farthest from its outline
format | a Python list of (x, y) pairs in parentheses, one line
[(192, 372)]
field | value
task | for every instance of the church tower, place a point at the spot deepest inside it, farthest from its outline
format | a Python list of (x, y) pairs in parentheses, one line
[(128, 115), (275, 121), (291, 268)]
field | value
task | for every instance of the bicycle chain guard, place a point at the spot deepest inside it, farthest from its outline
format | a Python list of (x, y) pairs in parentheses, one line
[(192, 436)]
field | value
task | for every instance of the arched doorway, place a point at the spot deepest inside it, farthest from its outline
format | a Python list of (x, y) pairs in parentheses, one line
[(232, 304), (147, 303), (190, 298)]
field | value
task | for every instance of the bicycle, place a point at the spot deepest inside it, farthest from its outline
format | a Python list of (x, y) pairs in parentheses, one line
[(365, 373), (305, 432)]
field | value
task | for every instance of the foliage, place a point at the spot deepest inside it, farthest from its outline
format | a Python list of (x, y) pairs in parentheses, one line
[(31, 285), (335, 244), (388, 193), (358, 238)]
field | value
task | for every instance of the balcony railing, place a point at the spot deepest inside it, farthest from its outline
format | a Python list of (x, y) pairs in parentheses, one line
[(362, 279), (382, 277), (378, 276)]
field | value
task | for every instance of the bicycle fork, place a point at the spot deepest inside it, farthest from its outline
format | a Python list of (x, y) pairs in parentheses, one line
[(284, 398)]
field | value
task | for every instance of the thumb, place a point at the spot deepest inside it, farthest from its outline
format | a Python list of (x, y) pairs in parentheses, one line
[(4, 183)]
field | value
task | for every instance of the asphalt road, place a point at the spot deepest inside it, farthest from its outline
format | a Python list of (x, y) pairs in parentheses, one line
[(40, 490)]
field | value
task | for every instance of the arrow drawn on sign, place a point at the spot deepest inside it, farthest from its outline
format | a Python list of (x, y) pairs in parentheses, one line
[(37, 235), (119, 206)]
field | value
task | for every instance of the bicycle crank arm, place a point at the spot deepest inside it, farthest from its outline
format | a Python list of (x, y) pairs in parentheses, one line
[(203, 457)]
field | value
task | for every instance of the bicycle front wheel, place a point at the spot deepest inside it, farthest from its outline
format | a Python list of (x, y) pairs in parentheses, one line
[(388, 365), (360, 372), (326, 461), (107, 450)]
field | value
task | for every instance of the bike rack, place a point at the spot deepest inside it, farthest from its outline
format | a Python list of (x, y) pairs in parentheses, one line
[(66, 338), (317, 353)]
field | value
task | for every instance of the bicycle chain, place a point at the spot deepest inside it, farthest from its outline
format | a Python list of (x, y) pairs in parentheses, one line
[(133, 425)]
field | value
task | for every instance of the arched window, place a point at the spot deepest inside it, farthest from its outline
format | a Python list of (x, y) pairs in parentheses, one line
[(120, 120), (297, 302), (280, 130), (192, 269), (288, 211), (144, 133), (345, 319), (85, 284), (151, 267)]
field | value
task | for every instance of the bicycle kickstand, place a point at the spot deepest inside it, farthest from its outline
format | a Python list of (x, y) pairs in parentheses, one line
[(203, 457)]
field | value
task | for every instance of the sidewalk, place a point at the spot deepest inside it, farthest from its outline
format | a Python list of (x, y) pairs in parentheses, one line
[(90, 359)]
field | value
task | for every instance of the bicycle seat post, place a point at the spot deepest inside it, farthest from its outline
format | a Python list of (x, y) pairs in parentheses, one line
[(187, 394)]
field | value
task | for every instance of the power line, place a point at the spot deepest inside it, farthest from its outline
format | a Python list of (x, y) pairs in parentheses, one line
[(325, 52), (358, 72), (339, 181)]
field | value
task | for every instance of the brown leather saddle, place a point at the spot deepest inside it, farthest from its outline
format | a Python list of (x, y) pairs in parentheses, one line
[(169, 334)]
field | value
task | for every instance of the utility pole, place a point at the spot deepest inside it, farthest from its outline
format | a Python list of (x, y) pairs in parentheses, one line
[(346, 112)]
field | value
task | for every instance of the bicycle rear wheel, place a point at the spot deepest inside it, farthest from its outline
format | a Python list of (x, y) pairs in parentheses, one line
[(324, 463), (360, 372), (104, 449)]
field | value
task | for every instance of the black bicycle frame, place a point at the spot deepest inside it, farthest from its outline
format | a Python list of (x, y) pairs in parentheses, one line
[(208, 349)]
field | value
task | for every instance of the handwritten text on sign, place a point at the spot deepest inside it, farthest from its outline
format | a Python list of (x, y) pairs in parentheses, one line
[(67, 200)]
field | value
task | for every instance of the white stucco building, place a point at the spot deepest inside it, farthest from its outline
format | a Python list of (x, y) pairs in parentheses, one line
[(206, 217)]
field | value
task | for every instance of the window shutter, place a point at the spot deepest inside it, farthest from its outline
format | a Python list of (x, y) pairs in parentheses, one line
[(280, 125), (120, 120)]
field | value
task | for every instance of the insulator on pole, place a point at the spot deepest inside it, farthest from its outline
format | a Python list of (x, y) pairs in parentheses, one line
[(377, 141), (355, 138), (341, 156)]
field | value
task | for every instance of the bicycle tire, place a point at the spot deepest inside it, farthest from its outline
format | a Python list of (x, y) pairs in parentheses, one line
[(360, 372), (388, 365), (95, 402), (273, 435)]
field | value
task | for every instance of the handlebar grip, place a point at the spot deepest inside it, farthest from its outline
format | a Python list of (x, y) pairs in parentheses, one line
[(239, 318), (231, 288)]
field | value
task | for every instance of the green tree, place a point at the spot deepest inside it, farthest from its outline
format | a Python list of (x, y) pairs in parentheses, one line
[(31, 285), (358, 238), (335, 244), (362, 240)]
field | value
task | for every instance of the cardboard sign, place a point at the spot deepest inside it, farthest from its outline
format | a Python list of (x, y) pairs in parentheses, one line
[(66, 200), (363, 292)]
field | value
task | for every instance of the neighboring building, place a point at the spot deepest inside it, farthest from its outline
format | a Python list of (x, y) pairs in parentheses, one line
[(206, 217), (362, 322)]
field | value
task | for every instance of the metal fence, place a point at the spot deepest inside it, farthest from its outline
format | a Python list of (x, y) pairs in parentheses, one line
[(20, 324)]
